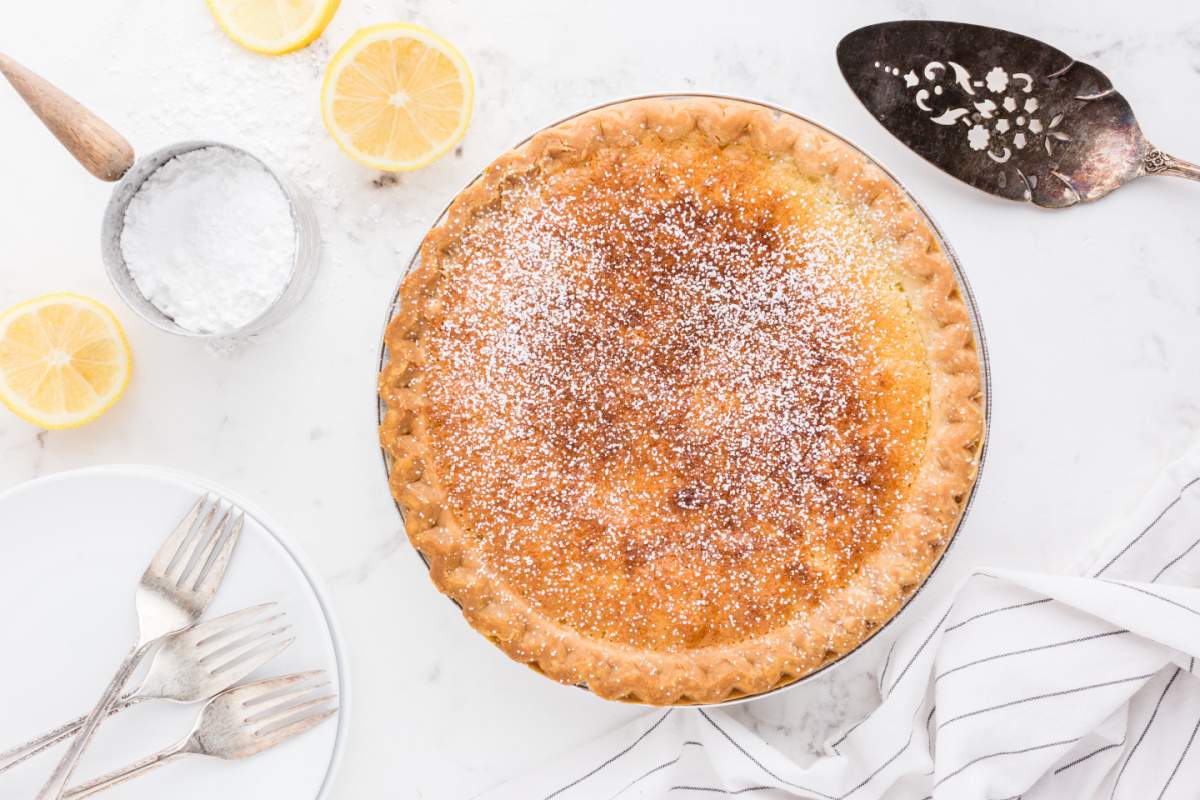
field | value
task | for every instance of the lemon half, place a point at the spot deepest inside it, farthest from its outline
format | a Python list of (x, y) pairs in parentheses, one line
[(64, 360), (273, 27), (397, 96)]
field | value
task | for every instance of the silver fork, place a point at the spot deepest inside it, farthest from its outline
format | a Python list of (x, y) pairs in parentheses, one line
[(238, 723), (188, 667), (178, 585)]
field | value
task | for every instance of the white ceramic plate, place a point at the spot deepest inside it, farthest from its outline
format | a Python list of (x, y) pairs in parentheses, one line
[(72, 548)]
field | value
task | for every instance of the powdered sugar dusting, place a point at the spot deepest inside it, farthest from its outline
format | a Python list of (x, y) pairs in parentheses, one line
[(668, 395)]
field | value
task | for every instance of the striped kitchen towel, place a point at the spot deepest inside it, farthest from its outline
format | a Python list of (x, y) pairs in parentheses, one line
[(1025, 685)]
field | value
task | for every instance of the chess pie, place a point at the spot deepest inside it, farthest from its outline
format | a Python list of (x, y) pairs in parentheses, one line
[(682, 401)]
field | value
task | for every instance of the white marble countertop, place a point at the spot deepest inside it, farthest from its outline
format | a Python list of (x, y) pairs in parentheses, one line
[(1092, 315)]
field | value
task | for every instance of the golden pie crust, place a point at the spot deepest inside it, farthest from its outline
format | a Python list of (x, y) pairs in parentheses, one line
[(682, 401)]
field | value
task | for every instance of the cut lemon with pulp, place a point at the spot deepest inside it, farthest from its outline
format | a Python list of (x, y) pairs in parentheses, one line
[(64, 360), (273, 26), (397, 96)]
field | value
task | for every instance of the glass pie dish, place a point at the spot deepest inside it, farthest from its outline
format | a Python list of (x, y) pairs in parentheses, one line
[(697, 122)]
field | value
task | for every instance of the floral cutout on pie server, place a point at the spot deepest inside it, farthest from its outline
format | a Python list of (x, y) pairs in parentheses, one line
[(1000, 114)]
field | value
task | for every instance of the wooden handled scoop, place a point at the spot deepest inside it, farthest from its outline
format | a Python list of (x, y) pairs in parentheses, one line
[(107, 155), (100, 149)]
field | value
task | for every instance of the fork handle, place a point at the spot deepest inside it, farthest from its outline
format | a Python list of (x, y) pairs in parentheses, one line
[(62, 773), (134, 770), (10, 758)]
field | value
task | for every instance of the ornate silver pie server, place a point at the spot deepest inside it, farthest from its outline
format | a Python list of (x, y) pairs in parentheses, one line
[(1003, 112)]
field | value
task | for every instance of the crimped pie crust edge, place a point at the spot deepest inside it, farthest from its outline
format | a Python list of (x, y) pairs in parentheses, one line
[(887, 578)]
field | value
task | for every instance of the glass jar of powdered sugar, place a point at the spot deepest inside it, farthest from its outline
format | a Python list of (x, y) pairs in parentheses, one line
[(203, 239)]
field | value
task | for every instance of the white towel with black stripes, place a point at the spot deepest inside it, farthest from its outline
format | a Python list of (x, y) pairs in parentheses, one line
[(1042, 687)]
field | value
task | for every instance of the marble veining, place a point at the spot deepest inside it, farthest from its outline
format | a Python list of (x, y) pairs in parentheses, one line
[(1092, 316)]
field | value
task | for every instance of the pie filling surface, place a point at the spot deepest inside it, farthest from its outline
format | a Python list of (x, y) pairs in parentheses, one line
[(676, 410)]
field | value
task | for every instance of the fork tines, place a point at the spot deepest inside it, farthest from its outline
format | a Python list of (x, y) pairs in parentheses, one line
[(243, 640), (195, 555), (279, 708)]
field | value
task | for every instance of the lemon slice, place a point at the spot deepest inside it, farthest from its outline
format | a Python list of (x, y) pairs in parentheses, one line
[(64, 360), (273, 26), (397, 96)]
